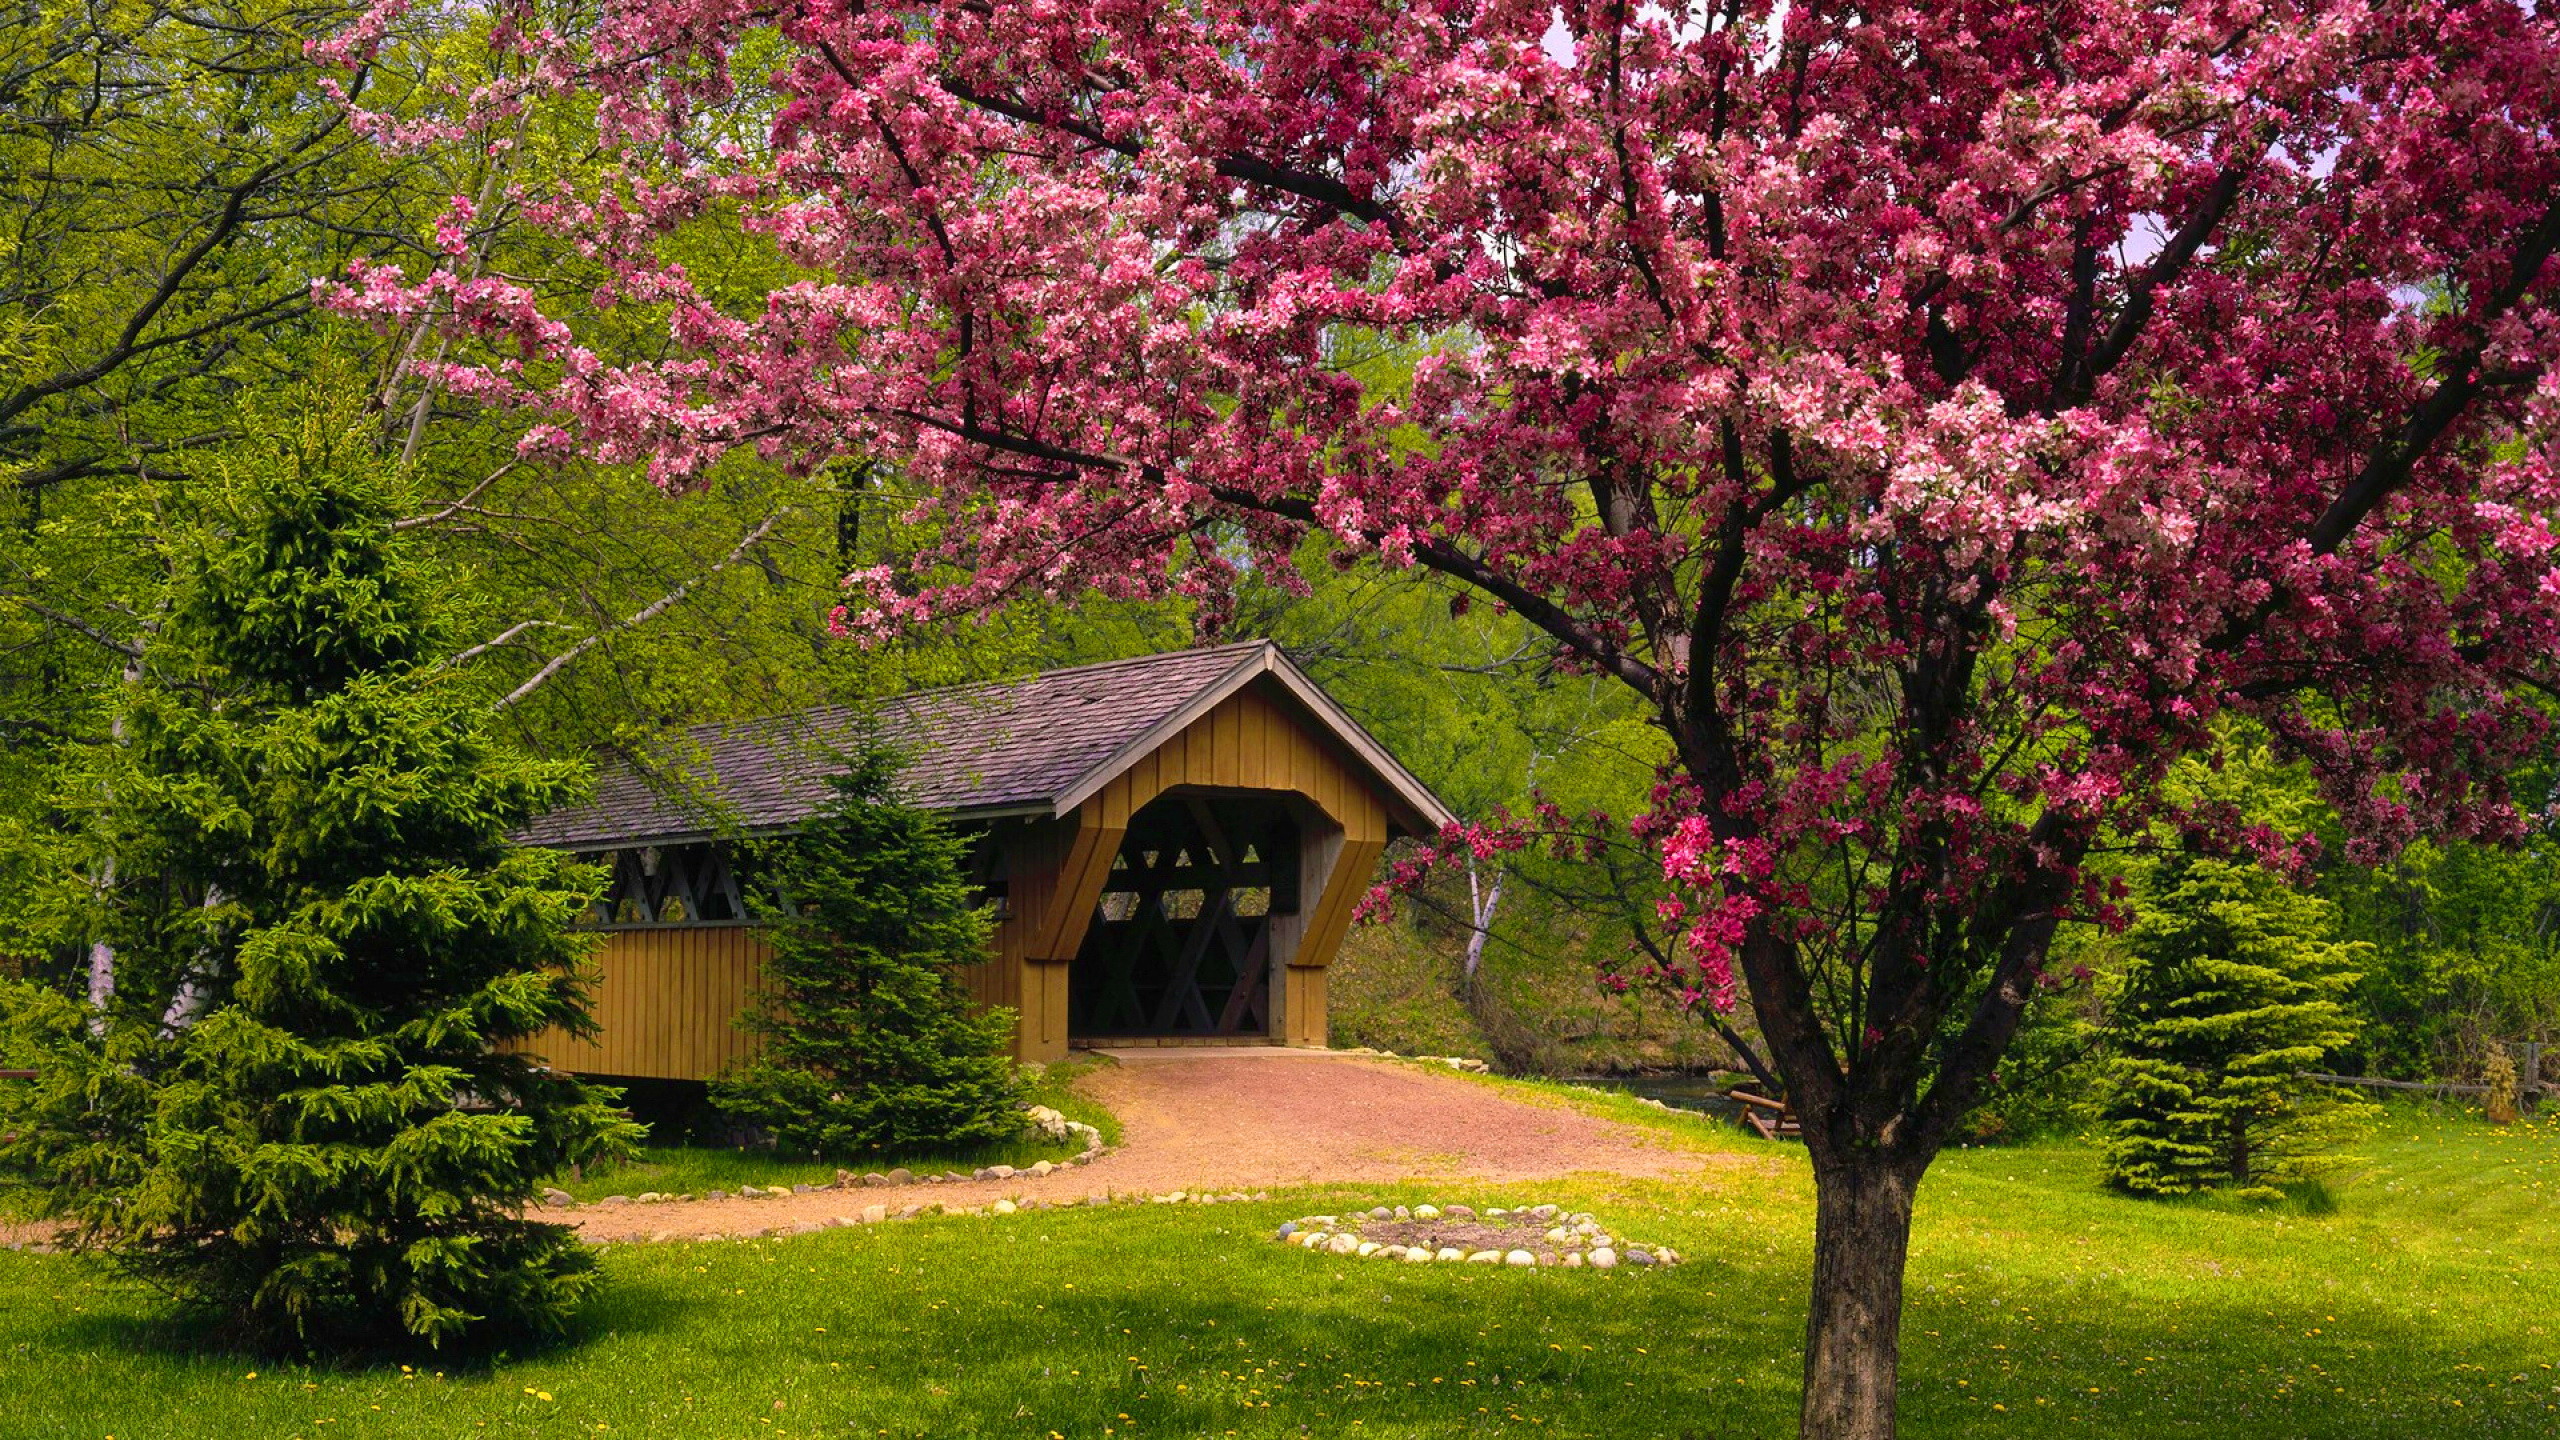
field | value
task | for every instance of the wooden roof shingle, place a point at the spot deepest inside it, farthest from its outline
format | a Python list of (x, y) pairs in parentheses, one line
[(1040, 745)]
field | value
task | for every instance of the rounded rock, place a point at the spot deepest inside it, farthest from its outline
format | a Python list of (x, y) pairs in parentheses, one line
[(1486, 1257), (1639, 1257), (1448, 1252), (1343, 1244), (1426, 1212), (1603, 1258), (1287, 1229), (1522, 1258)]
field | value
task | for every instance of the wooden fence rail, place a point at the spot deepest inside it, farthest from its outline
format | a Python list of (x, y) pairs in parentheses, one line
[(2441, 1087), (2529, 1086)]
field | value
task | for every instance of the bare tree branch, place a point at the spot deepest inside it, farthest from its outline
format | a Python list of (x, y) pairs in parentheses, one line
[(645, 613), (131, 648), (464, 657), (458, 506)]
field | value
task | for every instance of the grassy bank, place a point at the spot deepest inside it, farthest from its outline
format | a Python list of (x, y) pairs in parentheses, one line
[(694, 1169), (2039, 1306), (1395, 987)]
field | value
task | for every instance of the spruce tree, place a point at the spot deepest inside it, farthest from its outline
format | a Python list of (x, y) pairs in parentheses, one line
[(869, 1045), (300, 1107), (2232, 990)]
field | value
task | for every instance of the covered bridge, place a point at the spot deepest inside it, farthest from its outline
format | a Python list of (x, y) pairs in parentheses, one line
[(1173, 846)]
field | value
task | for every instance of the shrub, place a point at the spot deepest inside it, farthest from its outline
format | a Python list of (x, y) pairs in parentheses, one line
[(869, 1043), (298, 1107), (2230, 991), (2499, 1075)]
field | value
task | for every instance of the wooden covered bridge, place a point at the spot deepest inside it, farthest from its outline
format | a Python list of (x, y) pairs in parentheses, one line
[(1173, 845)]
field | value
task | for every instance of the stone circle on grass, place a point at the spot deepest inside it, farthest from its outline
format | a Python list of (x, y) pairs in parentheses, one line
[(1527, 1237)]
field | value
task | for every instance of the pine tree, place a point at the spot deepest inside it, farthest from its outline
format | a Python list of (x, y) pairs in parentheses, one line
[(869, 1043), (299, 1108), (2232, 990)]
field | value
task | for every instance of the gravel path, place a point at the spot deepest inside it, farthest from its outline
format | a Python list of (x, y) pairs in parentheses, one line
[(1222, 1121)]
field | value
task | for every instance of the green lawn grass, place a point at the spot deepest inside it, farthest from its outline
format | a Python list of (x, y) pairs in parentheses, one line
[(2040, 1306), (697, 1169)]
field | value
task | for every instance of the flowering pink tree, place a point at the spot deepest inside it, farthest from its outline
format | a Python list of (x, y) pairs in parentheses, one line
[(1944, 417)]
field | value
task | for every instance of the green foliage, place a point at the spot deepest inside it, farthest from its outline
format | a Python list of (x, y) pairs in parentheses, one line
[(869, 1043), (2231, 989), (299, 1107), (2465, 953), (2044, 1086)]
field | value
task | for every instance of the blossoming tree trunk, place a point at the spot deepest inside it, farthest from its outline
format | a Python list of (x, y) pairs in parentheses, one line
[(1853, 1335)]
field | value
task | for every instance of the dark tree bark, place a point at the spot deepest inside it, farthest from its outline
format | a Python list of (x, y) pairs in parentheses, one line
[(1853, 1327)]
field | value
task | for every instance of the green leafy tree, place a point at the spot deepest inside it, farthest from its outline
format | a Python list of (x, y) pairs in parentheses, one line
[(2231, 989), (2466, 942), (870, 1045), (302, 1105)]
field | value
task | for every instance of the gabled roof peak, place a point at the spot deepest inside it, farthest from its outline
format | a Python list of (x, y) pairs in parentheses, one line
[(1040, 745)]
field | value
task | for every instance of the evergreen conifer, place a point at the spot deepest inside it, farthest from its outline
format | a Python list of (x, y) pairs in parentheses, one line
[(300, 1107), (869, 1045), (2232, 990)]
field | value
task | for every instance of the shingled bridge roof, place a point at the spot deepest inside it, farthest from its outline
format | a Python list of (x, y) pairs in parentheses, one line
[(1037, 746)]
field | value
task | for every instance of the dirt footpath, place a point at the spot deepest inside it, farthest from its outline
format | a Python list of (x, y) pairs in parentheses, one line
[(1223, 1121)]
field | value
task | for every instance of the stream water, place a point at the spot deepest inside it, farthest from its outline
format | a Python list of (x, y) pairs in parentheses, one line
[(1702, 1093)]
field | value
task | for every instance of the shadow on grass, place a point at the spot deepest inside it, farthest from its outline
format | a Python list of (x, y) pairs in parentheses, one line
[(155, 1326)]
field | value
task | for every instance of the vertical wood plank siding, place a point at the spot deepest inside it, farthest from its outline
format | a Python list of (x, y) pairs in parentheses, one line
[(668, 999)]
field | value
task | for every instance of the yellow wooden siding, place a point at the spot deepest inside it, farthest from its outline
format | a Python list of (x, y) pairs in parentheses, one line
[(666, 1003)]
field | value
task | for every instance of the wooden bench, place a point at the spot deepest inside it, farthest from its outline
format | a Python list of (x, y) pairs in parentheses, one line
[(1771, 1119)]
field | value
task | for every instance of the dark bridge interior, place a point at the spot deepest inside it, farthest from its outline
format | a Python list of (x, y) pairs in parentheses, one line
[(1180, 944)]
